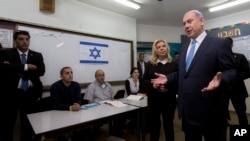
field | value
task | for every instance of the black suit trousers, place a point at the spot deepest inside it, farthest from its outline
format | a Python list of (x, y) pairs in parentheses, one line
[(161, 106), (239, 104), (210, 132), (21, 104)]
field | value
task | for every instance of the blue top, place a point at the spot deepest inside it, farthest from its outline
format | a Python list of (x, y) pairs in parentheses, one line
[(63, 97)]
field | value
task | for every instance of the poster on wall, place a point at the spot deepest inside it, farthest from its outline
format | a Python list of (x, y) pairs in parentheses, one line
[(6, 36), (240, 33)]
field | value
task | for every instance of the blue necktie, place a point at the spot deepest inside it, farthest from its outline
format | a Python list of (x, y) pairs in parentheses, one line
[(190, 55), (25, 83)]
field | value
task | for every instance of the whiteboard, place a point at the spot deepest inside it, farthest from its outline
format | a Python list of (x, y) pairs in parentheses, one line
[(63, 48)]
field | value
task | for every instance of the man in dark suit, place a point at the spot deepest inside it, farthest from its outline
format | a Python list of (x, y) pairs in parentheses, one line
[(176, 56), (20, 84), (141, 65), (201, 86), (238, 92)]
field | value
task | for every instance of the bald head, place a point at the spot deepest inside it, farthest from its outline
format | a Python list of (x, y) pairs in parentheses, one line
[(100, 76)]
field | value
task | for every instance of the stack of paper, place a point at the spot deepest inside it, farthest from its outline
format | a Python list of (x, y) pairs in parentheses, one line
[(115, 103), (135, 97)]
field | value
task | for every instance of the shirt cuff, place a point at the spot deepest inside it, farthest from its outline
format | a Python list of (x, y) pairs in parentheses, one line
[(25, 67)]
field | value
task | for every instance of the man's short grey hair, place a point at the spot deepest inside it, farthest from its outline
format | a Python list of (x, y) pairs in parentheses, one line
[(196, 12)]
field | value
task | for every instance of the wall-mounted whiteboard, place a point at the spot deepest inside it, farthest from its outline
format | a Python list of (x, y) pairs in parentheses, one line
[(83, 53)]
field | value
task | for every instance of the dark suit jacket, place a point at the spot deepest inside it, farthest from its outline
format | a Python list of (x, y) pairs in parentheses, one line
[(11, 73), (140, 69), (212, 56), (238, 89)]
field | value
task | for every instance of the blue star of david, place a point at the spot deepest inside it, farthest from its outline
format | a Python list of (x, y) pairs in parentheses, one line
[(94, 53)]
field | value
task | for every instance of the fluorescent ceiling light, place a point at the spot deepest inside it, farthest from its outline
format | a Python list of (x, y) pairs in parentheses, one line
[(227, 5), (129, 3)]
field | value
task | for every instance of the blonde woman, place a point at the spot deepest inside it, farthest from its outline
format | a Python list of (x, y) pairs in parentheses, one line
[(161, 101)]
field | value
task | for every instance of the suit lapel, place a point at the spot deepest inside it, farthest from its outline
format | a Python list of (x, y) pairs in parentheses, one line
[(16, 56), (30, 56), (183, 57)]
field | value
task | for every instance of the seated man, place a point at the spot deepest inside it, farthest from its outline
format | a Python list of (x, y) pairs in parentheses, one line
[(99, 90), (66, 95)]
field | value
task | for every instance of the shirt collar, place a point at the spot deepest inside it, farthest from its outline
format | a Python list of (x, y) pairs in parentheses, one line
[(20, 52), (101, 85), (162, 61), (201, 37)]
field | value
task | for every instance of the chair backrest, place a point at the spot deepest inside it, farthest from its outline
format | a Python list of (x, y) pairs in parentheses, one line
[(44, 104), (83, 100), (119, 94)]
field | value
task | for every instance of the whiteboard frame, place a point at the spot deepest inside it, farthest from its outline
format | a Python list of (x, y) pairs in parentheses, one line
[(83, 85)]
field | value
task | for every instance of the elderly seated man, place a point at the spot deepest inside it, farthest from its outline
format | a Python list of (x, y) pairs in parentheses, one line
[(98, 91)]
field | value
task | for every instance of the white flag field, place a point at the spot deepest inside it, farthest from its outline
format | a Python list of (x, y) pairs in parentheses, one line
[(93, 53)]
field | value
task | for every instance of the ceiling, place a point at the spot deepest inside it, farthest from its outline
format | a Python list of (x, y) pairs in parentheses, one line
[(165, 12)]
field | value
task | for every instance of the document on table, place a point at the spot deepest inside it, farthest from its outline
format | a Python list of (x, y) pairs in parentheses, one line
[(115, 103), (135, 97)]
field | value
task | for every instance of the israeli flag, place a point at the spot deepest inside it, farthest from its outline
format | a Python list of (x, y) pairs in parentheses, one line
[(93, 53)]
